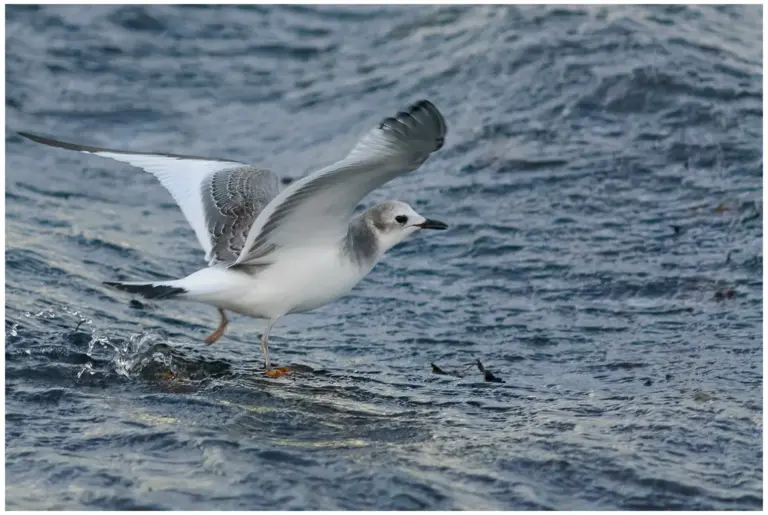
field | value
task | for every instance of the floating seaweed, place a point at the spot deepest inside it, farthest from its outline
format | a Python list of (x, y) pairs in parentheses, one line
[(488, 376), (723, 294)]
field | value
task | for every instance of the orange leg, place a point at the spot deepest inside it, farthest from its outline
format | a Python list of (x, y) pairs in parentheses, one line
[(219, 332)]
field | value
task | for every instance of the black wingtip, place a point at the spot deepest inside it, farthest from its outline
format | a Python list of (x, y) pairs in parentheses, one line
[(44, 140), (423, 104), (29, 135), (34, 137), (421, 114), (148, 290), (95, 150)]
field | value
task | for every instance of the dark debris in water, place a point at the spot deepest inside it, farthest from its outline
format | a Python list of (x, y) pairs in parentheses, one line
[(721, 295), (488, 376), (178, 366), (439, 371)]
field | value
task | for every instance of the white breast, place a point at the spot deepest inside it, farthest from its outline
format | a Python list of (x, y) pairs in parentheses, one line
[(301, 280)]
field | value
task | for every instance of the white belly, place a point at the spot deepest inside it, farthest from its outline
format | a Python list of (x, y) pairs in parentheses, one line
[(300, 280), (307, 279)]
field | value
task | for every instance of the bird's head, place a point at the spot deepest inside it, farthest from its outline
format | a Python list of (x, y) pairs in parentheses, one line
[(393, 221)]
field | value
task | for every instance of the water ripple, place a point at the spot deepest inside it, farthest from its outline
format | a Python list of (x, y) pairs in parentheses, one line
[(602, 183)]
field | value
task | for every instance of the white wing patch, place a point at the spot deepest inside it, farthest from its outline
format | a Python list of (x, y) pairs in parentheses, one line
[(183, 178)]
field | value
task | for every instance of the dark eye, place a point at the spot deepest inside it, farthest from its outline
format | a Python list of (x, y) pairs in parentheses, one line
[(401, 219)]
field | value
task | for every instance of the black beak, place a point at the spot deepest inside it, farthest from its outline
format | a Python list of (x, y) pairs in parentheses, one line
[(432, 224)]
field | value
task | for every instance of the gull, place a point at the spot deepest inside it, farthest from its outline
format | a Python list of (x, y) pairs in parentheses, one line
[(271, 253)]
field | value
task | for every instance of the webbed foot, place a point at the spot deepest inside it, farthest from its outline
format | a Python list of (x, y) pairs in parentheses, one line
[(276, 372)]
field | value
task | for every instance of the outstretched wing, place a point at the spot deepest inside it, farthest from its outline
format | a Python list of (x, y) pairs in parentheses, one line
[(317, 208), (220, 198)]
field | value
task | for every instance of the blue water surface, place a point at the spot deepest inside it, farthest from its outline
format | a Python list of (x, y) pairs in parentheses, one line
[(602, 182)]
